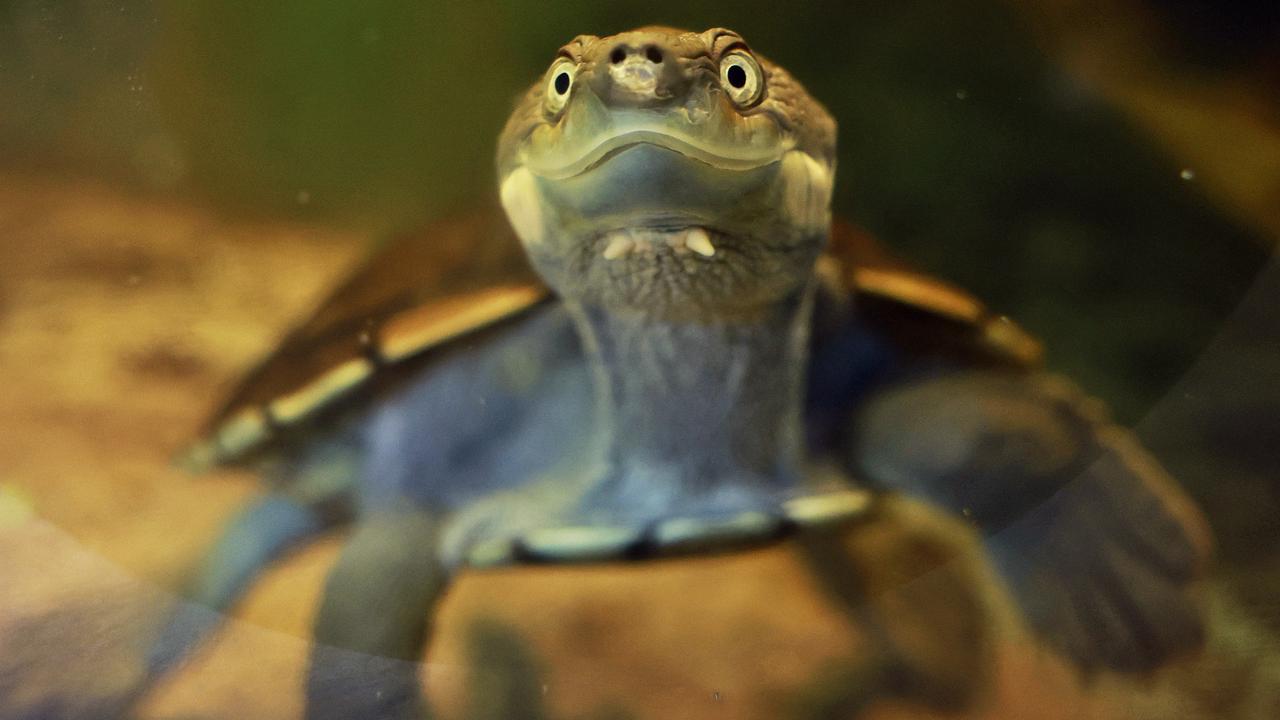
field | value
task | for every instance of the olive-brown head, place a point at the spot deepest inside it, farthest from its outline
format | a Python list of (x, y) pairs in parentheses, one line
[(670, 172)]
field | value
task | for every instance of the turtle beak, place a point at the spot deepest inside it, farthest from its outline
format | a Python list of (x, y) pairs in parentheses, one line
[(699, 124)]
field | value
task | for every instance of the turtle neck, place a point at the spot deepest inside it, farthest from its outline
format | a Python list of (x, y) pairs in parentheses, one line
[(698, 410)]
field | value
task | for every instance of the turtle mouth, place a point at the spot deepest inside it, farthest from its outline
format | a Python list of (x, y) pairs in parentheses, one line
[(676, 271), (722, 157), (648, 242)]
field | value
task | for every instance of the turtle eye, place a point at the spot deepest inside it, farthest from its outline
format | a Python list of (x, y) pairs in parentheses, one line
[(560, 83), (741, 77)]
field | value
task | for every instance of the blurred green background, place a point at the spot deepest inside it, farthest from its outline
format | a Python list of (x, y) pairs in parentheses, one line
[(967, 143), (961, 144)]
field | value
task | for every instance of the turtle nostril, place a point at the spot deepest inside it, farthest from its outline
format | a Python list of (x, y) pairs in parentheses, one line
[(654, 54), (617, 56)]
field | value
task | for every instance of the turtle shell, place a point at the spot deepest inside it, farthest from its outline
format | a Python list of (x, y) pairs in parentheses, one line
[(422, 292)]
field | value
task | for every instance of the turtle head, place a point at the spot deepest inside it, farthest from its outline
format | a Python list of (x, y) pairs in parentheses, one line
[(669, 172)]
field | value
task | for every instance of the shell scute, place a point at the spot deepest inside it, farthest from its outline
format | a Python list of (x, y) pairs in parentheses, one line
[(417, 293), (423, 292)]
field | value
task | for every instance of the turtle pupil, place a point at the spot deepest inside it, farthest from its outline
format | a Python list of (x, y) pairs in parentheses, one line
[(737, 76), (562, 83)]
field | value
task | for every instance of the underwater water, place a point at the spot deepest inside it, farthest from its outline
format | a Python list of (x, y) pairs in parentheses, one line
[(180, 184)]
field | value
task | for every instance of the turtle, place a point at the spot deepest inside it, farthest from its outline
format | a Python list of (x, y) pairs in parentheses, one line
[(666, 343)]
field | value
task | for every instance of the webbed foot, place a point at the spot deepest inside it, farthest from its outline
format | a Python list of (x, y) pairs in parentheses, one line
[(1103, 568), (1100, 547)]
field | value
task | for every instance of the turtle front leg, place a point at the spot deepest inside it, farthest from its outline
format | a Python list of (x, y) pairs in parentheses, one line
[(374, 619), (252, 540), (1099, 546)]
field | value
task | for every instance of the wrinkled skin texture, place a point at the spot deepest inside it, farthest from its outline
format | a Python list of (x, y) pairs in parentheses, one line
[(678, 217)]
